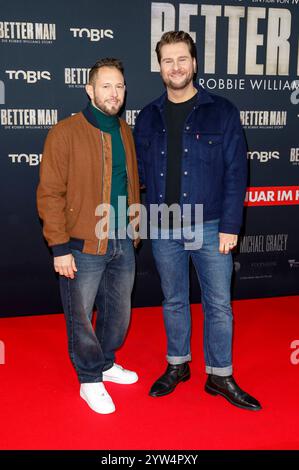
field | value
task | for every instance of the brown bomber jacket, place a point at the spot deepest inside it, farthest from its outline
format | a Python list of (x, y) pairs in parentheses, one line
[(75, 177)]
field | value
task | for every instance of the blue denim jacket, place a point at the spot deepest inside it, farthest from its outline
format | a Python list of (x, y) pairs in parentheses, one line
[(214, 161)]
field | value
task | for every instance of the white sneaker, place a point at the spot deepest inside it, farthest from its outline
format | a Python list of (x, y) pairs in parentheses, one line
[(119, 375), (97, 397)]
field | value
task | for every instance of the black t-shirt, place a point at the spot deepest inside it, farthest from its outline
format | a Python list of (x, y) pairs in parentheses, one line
[(175, 117)]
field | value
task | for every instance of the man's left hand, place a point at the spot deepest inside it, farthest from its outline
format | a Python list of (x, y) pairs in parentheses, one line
[(227, 242)]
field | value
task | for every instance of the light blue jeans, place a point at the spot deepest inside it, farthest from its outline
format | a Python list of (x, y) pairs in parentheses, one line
[(105, 281), (214, 271)]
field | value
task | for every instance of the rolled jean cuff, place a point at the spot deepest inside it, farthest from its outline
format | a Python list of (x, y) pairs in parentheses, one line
[(176, 360), (221, 371), (90, 380)]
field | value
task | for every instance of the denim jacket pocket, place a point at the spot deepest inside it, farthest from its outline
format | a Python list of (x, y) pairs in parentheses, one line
[(208, 145)]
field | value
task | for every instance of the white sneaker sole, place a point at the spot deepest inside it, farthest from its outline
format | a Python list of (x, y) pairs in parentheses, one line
[(102, 411), (116, 380)]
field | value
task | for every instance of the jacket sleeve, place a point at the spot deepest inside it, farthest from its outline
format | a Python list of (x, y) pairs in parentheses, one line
[(235, 174), (51, 192), (139, 145)]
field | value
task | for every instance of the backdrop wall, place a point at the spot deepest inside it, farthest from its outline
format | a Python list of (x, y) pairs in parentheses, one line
[(247, 51)]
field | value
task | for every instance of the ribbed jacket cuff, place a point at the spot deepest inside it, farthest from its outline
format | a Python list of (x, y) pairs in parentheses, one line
[(61, 249)]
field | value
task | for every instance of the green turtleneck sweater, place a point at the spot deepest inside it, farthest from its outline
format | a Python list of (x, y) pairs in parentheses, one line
[(119, 186)]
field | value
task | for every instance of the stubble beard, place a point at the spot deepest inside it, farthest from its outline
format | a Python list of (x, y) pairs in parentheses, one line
[(178, 86), (111, 111)]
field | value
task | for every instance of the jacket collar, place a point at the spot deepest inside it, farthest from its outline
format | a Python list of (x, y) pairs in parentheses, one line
[(89, 116), (203, 97)]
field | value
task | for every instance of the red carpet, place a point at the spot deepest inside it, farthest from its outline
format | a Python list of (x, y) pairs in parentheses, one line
[(41, 407)]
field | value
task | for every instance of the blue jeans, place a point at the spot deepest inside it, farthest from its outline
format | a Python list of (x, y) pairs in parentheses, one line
[(105, 281), (214, 271)]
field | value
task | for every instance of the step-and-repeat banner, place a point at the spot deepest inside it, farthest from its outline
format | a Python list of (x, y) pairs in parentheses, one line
[(248, 51)]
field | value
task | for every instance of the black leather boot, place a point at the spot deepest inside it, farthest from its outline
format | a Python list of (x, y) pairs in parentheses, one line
[(228, 388), (168, 381)]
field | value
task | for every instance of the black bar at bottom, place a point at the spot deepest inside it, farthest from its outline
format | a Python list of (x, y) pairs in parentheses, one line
[(135, 458)]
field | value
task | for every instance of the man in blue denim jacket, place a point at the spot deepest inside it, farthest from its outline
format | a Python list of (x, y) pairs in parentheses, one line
[(192, 153)]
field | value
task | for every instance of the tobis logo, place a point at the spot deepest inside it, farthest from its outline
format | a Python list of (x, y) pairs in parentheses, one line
[(32, 159), (30, 76), (92, 34), (263, 156)]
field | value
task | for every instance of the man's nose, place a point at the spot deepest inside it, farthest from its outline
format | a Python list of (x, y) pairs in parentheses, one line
[(175, 65), (114, 92)]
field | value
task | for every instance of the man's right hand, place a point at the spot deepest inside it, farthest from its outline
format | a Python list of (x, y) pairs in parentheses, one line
[(65, 265)]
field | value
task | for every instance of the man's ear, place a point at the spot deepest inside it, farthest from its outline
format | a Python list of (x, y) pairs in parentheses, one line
[(194, 65), (89, 90)]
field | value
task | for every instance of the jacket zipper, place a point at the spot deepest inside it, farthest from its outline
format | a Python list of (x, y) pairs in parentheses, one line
[(103, 165), (129, 182)]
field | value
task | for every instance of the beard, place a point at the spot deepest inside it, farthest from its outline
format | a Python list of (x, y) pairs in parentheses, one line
[(178, 85), (111, 110)]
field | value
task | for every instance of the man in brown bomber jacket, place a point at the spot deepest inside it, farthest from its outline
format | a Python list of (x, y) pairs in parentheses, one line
[(88, 185)]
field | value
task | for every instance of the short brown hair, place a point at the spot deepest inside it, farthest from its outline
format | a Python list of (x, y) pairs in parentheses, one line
[(172, 37), (106, 62)]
